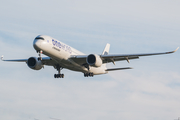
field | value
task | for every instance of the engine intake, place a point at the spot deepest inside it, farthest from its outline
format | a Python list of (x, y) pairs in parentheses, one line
[(34, 63), (94, 60)]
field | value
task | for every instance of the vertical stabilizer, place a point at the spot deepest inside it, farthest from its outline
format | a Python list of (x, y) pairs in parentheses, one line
[(106, 52), (106, 49)]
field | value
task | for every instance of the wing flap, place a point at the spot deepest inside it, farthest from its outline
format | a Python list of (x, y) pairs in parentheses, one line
[(107, 60)]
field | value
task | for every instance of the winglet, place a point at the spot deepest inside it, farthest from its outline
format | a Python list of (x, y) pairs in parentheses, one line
[(176, 49), (172, 51), (2, 57)]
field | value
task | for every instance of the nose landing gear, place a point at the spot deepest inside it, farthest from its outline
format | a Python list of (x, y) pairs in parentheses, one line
[(40, 52)]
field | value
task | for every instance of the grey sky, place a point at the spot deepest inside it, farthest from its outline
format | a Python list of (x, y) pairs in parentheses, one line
[(149, 91)]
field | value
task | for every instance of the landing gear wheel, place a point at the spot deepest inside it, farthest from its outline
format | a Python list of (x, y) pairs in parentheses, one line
[(59, 68), (62, 76), (91, 74), (55, 76), (58, 75), (88, 74)]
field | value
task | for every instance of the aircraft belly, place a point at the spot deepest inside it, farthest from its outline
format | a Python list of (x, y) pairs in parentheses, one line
[(69, 65), (98, 70)]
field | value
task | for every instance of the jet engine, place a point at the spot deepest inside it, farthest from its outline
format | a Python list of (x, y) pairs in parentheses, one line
[(94, 60), (34, 63)]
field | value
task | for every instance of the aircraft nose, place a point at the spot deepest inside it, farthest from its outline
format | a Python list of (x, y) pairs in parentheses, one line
[(37, 44)]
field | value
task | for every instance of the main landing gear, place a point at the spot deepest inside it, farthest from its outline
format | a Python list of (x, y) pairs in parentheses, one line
[(88, 74), (58, 75), (59, 68)]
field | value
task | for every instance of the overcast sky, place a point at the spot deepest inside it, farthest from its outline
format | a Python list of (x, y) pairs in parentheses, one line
[(150, 91)]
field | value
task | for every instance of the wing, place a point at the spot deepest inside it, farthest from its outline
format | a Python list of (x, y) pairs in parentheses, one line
[(113, 69), (81, 59), (15, 60), (118, 57), (45, 60)]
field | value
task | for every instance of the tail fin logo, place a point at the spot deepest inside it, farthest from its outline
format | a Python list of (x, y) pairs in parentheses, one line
[(105, 53), (106, 49)]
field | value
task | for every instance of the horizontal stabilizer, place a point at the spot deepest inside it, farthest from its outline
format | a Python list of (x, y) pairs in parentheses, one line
[(113, 69)]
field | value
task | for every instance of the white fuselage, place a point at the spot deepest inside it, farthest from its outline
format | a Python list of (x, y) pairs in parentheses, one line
[(60, 52)]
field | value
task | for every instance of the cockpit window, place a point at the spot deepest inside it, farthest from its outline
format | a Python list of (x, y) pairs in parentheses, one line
[(39, 38)]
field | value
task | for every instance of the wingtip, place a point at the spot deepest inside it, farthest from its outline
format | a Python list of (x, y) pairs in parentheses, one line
[(176, 49)]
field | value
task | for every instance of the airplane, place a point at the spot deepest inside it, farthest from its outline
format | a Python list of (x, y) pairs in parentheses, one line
[(62, 56)]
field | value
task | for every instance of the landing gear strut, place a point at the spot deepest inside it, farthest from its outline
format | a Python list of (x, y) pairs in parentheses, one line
[(59, 75), (88, 74), (40, 52)]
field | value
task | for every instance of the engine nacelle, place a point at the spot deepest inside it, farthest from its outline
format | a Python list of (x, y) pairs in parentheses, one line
[(94, 60), (34, 63)]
